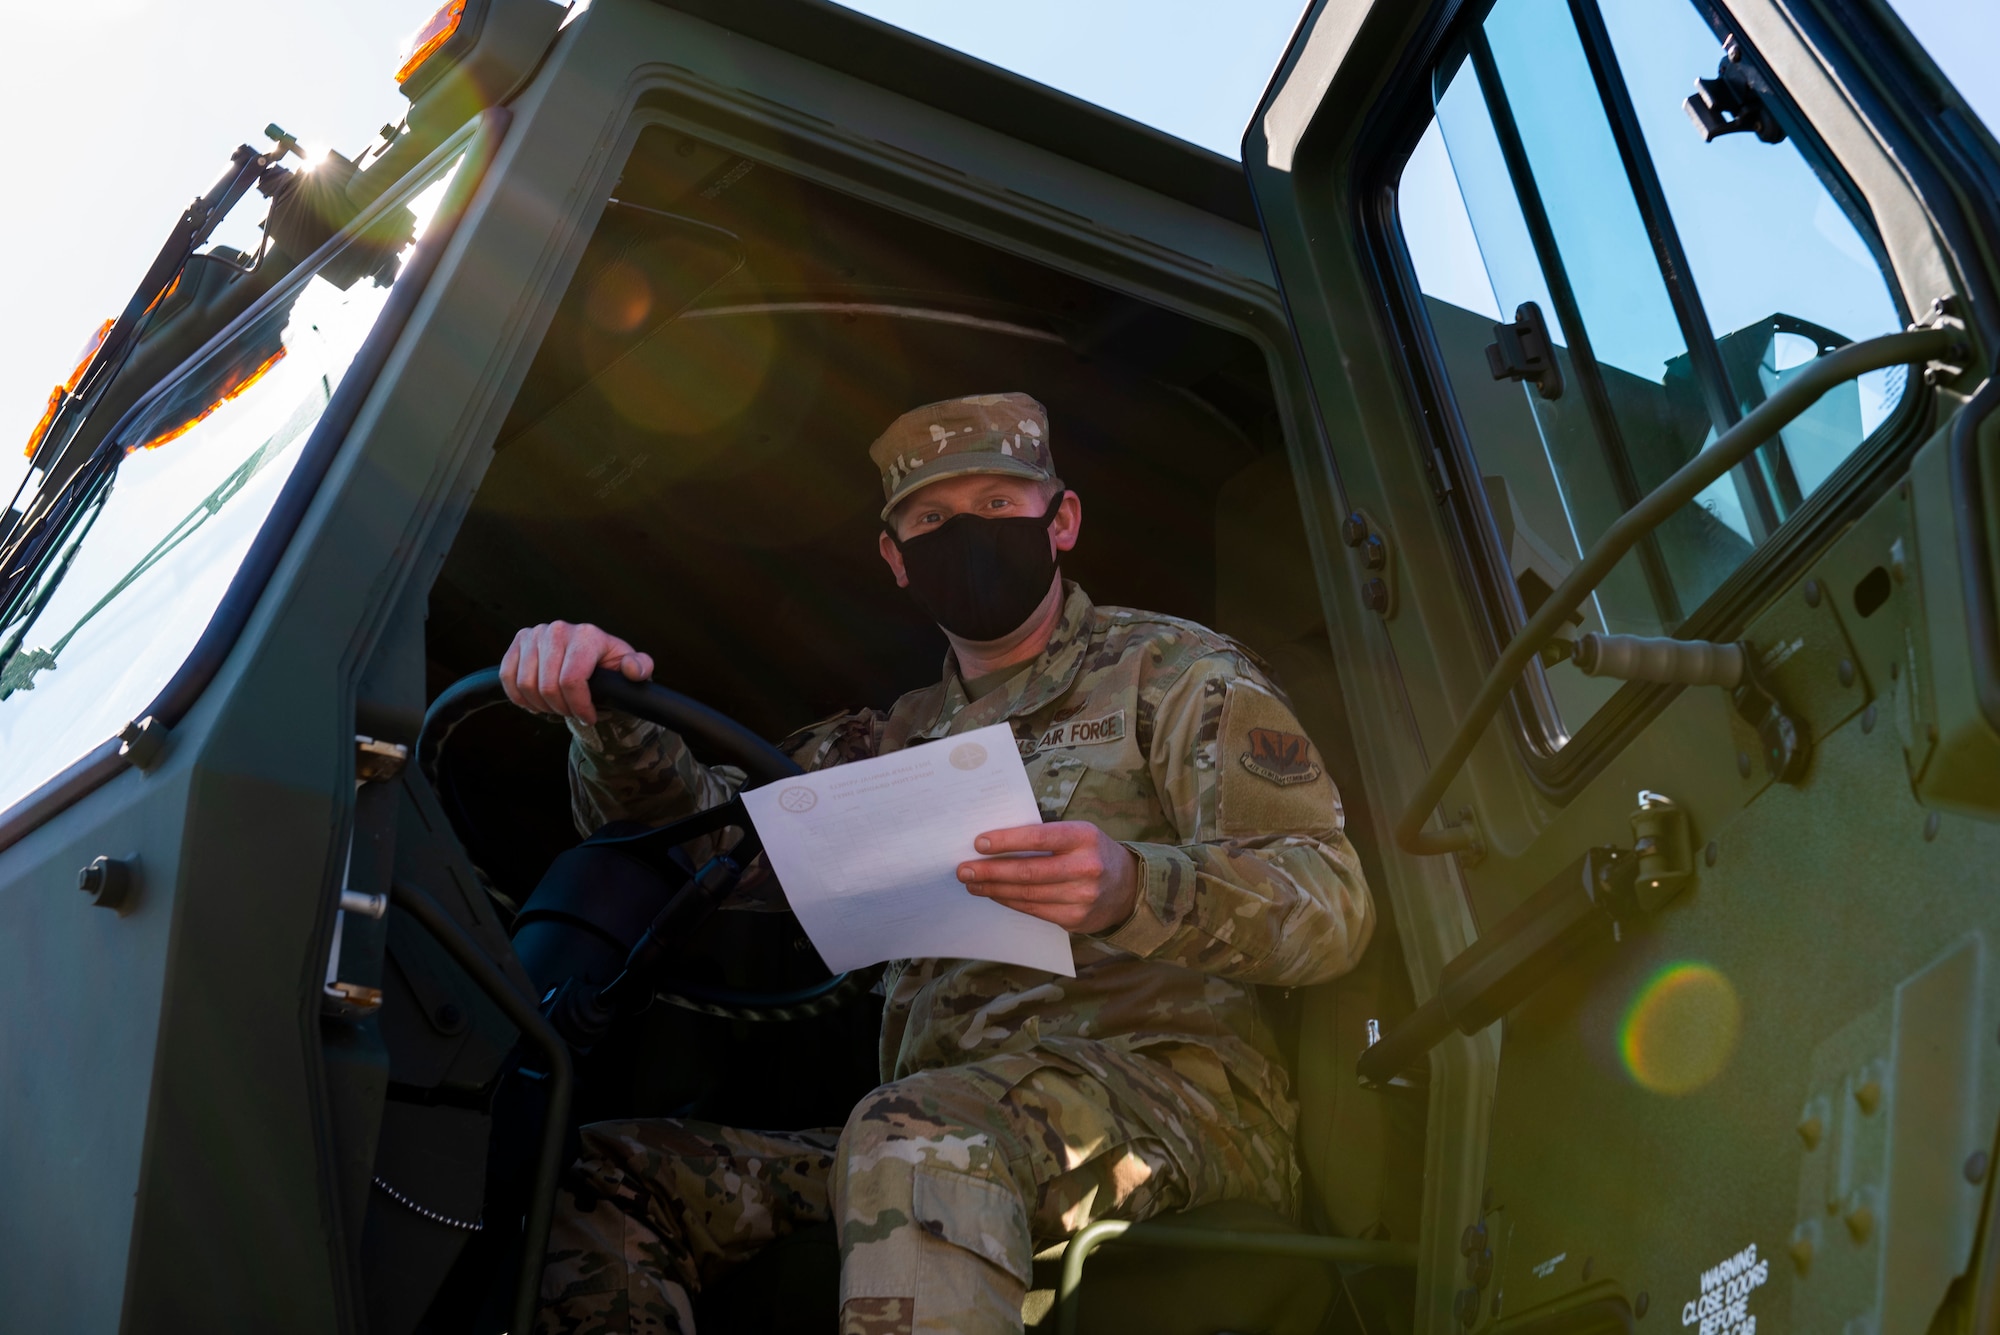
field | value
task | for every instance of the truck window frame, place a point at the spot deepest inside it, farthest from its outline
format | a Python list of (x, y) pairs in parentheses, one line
[(1389, 135), (479, 140)]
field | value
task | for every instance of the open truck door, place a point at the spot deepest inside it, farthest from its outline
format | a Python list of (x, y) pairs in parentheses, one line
[(1651, 342)]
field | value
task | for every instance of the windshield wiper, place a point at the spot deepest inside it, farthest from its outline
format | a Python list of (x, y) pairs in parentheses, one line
[(70, 478), (19, 667)]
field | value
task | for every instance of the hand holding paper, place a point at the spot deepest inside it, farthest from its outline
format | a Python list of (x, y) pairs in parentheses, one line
[(1088, 882), (869, 854)]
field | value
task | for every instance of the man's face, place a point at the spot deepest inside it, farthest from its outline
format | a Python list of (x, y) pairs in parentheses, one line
[(985, 495)]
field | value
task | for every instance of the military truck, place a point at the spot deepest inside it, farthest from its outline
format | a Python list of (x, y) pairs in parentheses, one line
[(1636, 576)]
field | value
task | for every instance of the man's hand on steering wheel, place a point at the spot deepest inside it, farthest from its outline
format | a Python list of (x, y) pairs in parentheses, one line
[(547, 668)]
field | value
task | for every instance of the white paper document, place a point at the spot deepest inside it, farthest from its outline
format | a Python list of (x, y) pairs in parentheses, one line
[(868, 854)]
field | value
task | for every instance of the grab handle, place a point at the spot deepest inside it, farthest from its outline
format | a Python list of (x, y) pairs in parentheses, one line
[(1655, 658), (1800, 392)]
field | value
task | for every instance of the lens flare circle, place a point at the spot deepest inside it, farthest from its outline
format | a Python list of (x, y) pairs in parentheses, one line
[(1681, 1030)]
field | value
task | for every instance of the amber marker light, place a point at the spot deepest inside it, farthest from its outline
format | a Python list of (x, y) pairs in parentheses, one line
[(430, 37), (42, 427), (83, 358), (165, 292), (67, 387), (233, 392)]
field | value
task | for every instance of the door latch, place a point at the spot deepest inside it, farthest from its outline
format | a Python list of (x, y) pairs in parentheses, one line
[(1522, 351)]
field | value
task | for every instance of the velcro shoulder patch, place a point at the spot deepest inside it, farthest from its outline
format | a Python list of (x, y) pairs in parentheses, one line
[(1271, 779)]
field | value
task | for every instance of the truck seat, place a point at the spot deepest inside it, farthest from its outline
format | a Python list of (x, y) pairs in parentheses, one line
[(790, 1287), (1361, 1153)]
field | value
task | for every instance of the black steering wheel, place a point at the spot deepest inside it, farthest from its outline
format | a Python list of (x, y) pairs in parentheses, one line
[(631, 873), (715, 734)]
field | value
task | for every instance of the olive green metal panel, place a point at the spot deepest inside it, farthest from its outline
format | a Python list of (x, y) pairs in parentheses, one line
[(1960, 749), (81, 991), (1366, 458), (1645, 1114)]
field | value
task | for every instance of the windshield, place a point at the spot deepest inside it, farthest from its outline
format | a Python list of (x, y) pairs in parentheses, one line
[(129, 589)]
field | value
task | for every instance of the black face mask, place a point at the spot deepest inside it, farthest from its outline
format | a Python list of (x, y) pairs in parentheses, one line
[(981, 578)]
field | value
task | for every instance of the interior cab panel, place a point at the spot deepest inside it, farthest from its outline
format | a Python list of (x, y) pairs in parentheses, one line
[(683, 464)]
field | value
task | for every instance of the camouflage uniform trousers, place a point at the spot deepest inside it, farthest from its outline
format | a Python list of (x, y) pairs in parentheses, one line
[(944, 1183)]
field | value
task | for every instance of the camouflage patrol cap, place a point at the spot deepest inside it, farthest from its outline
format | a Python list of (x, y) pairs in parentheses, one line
[(1007, 434)]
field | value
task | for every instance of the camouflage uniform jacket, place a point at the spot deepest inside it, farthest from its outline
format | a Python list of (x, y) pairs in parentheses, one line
[(1171, 739)]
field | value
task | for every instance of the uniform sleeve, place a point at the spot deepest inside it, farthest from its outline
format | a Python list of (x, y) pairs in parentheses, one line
[(1264, 886), (623, 768)]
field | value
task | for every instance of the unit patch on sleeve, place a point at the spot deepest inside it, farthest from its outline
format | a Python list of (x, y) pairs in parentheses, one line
[(1282, 757), (1084, 731), (1269, 779)]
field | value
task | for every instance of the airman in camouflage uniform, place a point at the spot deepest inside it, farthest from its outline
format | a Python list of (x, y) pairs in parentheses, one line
[(1017, 1105)]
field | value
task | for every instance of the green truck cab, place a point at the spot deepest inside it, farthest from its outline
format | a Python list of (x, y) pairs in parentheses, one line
[(1584, 408)]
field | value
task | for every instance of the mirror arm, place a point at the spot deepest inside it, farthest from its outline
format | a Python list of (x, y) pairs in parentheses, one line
[(1795, 396)]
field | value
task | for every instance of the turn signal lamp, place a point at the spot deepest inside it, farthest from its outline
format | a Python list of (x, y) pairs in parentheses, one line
[(471, 54), (438, 30), (83, 359), (234, 391), (67, 387), (48, 417)]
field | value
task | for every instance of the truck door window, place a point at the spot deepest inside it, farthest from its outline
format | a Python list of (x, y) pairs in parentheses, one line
[(1680, 282), (115, 610)]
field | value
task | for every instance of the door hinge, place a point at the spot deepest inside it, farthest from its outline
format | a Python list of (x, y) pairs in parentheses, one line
[(377, 761), (1378, 587)]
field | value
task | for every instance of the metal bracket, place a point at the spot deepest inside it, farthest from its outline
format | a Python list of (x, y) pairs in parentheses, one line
[(1947, 312), (1786, 740), (143, 740), (1523, 351), (378, 761), (350, 1001), (1733, 102), (1602, 893), (1664, 842)]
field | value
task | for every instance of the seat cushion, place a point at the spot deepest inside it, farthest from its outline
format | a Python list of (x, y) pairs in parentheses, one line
[(1143, 1291), (792, 1287)]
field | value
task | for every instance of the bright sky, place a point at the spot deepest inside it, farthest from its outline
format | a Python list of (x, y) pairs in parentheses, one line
[(129, 109), (1195, 68)]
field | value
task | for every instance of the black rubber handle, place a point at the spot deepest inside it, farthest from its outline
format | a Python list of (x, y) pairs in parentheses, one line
[(1514, 958)]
